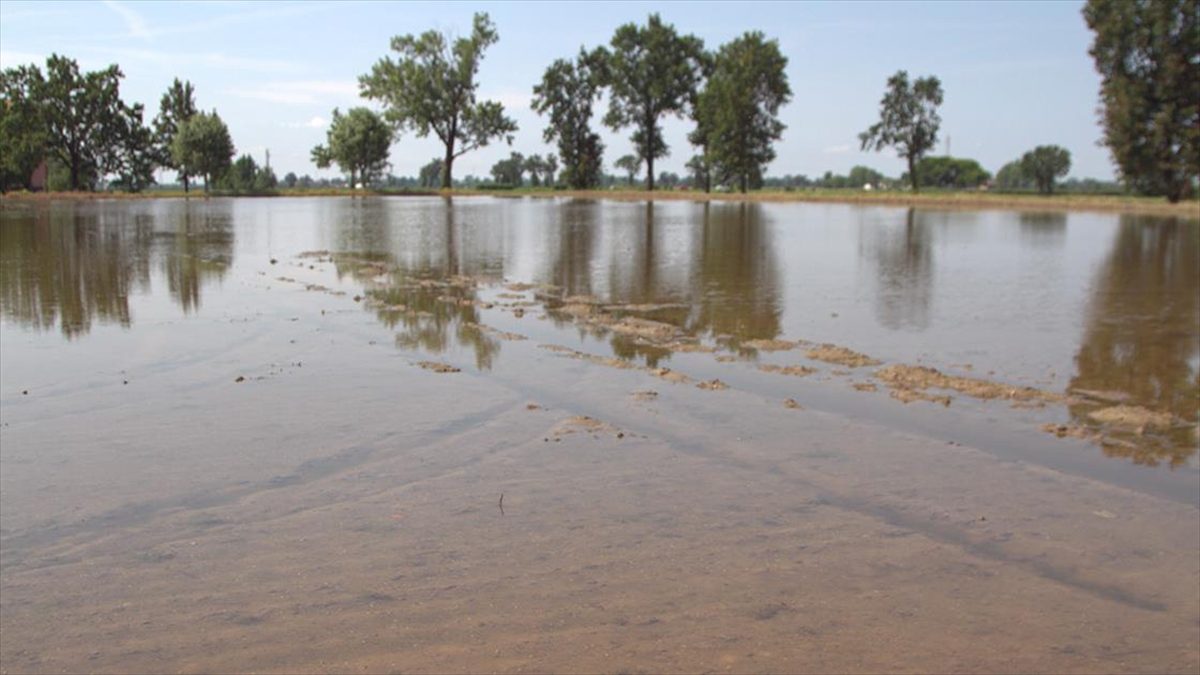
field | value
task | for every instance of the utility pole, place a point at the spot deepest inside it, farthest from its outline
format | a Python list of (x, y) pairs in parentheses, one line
[(268, 158), (947, 145)]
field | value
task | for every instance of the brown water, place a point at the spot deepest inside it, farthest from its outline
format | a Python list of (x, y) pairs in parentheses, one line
[(219, 449)]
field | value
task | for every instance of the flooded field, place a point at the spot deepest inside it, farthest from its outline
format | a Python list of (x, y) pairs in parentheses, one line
[(529, 435)]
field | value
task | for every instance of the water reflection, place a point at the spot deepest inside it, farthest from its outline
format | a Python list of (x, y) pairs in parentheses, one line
[(1043, 228), (72, 266), (1143, 335), (903, 259)]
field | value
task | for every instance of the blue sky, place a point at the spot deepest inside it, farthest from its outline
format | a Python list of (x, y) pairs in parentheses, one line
[(1015, 74)]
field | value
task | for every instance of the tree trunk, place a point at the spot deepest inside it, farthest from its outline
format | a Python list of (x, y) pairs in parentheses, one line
[(185, 183), (912, 174), (447, 165), (649, 174), (745, 181)]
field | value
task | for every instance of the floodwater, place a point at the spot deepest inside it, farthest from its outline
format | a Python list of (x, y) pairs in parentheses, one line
[(488, 434)]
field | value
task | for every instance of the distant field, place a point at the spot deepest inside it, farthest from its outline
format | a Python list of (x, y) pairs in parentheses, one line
[(966, 200)]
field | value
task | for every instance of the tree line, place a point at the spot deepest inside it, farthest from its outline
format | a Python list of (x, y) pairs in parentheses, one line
[(1144, 50)]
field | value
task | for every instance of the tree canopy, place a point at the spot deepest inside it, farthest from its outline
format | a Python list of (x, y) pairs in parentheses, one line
[(1146, 54), (178, 105), (630, 165), (652, 71), (1044, 164), (22, 127), (950, 172), (358, 142), (510, 171), (739, 108), (908, 120), (566, 93), (430, 89), (202, 147)]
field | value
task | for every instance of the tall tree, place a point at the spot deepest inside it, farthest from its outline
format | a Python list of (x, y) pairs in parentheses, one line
[(136, 155), (567, 92), (1012, 177), (1044, 164), (358, 143), (630, 165), (84, 117), (431, 174), (1146, 53), (652, 71), (510, 171), (202, 147), (177, 106), (739, 107), (908, 120), (22, 127), (430, 88), (700, 165)]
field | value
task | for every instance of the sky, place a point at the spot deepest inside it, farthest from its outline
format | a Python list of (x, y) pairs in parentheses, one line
[(1015, 74)]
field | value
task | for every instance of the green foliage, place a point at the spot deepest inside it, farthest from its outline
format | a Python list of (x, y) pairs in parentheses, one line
[(950, 172), (630, 165), (738, 110), (908, 120), (430, 89), (22, 128), (358, 143), (84, 118), (860, 176), (431, 174), (245, 176), (137, 154), (510, 171), (566, 93), (652, 71), (1012, 178), (290, 180), (202, 147), (1044, 164), (177, 106), (1146, 54), (541, 169)]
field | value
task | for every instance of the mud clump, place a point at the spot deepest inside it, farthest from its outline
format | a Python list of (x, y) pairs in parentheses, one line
[(922, 377), (905, 395), (1133, 417), (645, 395), (791, 403), (771, 345), (712, 385), (654, 331), (582, 424), (439, 367), (495, 332), (1069, 430), (670, 375), (865, 386), (796, 371), (841, 356)]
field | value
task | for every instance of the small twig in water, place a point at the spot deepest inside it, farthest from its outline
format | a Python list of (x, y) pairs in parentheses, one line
[(501, 503)]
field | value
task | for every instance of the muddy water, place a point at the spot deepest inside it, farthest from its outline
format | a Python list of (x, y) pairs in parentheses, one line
[(273, 435)]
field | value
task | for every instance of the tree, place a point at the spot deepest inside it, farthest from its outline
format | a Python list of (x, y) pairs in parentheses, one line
[(652, 71), (533, 166), (510, 171), (630, 165), (241, 174), (1044, 164), (908, 120), (566, 93), (950, 172), (22, 127), (431, 173), (701, 164), (202, 147), (84, 117), (358, 143), (739, 108), (177, 106), (1146, 54), (431, 87), (550, 169), (137, 154), (1012, 177), (860, 176), (290, 180)]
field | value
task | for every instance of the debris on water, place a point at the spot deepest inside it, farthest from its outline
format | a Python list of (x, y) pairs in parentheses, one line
[(924, 377), (532, 406), (25, 392), (865, 386), (240, 379), (1133, 417), (771, 345), (791, 403), (645, 395), (797, 371), (358, 298), (713, 385), (438, 367), (831, 353), (273, 261)]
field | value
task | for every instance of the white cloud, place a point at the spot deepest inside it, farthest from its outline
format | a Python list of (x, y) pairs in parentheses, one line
[(317, 122), (836, 150), (302, 91), (135, 22)]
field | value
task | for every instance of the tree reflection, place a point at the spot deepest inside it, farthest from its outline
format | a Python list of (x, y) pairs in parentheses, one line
[(1043, 228), (199, 248), (1143, 335), (904, 271)]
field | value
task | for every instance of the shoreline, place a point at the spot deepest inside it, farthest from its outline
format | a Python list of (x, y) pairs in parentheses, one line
[(1189, 209)]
